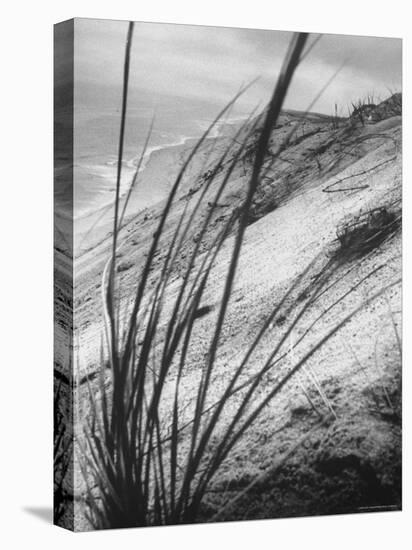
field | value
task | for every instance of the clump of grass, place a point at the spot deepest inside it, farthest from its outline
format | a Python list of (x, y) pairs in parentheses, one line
[(363, 109), (365, 231), (371, 109), (149, 455)]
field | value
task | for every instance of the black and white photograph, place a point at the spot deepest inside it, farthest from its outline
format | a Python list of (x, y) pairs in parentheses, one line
[(228, 263), (205, 275)]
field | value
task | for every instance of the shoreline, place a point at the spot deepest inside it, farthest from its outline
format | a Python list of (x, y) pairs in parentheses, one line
[(93, 228), (156, 176), (219, 131)]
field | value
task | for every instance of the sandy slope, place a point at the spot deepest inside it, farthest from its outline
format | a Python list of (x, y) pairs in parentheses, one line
[(353, 464)]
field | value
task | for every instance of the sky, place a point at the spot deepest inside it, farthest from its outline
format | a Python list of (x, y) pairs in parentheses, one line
[(208, 65)]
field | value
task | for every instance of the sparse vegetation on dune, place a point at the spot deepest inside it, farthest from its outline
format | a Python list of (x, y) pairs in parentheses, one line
[(175, 394), (366, 231)]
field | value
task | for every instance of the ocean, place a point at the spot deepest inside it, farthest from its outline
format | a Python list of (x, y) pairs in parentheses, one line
[(96, 138)]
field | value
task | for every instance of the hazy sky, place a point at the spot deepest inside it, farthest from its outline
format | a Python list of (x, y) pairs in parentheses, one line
[(211, 63)]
